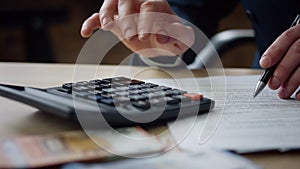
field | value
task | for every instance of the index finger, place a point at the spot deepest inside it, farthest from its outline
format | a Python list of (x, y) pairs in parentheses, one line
[(107, 12), (128, 24), (150, 12), (89, 25), (279, 47)]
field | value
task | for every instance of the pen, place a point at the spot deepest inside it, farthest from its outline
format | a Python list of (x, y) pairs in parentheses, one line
[(269, 72)]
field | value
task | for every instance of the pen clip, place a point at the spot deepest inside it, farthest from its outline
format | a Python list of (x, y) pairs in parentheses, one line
[(296, 21)]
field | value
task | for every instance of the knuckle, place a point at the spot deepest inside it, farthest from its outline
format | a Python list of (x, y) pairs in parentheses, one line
[(281, 68), (275, 50), (122, 2), (289, 34), (103, 12), (293, 82), (296, 47), (148, 5)]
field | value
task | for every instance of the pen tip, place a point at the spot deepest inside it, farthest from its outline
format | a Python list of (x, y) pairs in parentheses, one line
[(259, 87), (255, 94)]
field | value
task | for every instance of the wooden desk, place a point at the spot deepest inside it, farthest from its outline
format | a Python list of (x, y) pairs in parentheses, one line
[(19, 119)]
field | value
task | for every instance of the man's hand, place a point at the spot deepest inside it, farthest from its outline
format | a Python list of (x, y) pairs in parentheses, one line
[(149, 28), (286, 51)]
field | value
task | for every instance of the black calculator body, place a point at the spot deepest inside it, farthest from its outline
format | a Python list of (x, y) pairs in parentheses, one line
[(121, 101)]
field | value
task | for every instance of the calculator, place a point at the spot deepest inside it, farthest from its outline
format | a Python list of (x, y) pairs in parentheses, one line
[(121, 101)]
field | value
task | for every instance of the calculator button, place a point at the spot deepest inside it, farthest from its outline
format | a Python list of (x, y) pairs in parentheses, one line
[(108, 95), (67, 85), (123, 88), (83, 83), (135, 87), (146, 90), (105, 81), (158, 101), (95, 98), (133, 92), (181, 98), (120, 79), (104, 86), (141, 104), (122, 93), (68, 91), (164, 88), (80, 88), (117, 84), (155, 90), (110, 90), (138, 97), (99, 93), (136, 82), (176, 92), (82, 94), (194, 96), (121, 99), (171, 100), (95, 81), (107, 101), (149, 85), (168, 93), (155, 95)]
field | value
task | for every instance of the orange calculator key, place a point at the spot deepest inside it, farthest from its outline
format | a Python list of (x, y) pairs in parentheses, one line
[(194, 96)]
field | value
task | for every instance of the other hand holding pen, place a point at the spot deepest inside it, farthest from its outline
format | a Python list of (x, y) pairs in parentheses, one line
[(286, 51)]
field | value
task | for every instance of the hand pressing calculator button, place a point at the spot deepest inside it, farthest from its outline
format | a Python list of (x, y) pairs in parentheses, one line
[(114, 98)]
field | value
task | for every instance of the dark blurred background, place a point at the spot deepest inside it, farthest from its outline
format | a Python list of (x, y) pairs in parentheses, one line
[(49, 31)]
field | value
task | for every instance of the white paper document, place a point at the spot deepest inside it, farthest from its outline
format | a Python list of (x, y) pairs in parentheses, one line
[(238, 122)]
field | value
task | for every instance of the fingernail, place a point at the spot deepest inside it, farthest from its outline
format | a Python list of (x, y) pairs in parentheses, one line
[(143, 35), (265, 62), (83, 31), (162, 36), (129, 34), (105, 20), (83, 27), (162, 39), (274, 83), (283, 93)]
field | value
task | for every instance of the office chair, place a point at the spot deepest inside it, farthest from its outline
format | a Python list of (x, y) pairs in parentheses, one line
[(219, 44)]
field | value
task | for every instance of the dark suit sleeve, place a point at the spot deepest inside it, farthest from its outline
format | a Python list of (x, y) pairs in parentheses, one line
[(205, 14)]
